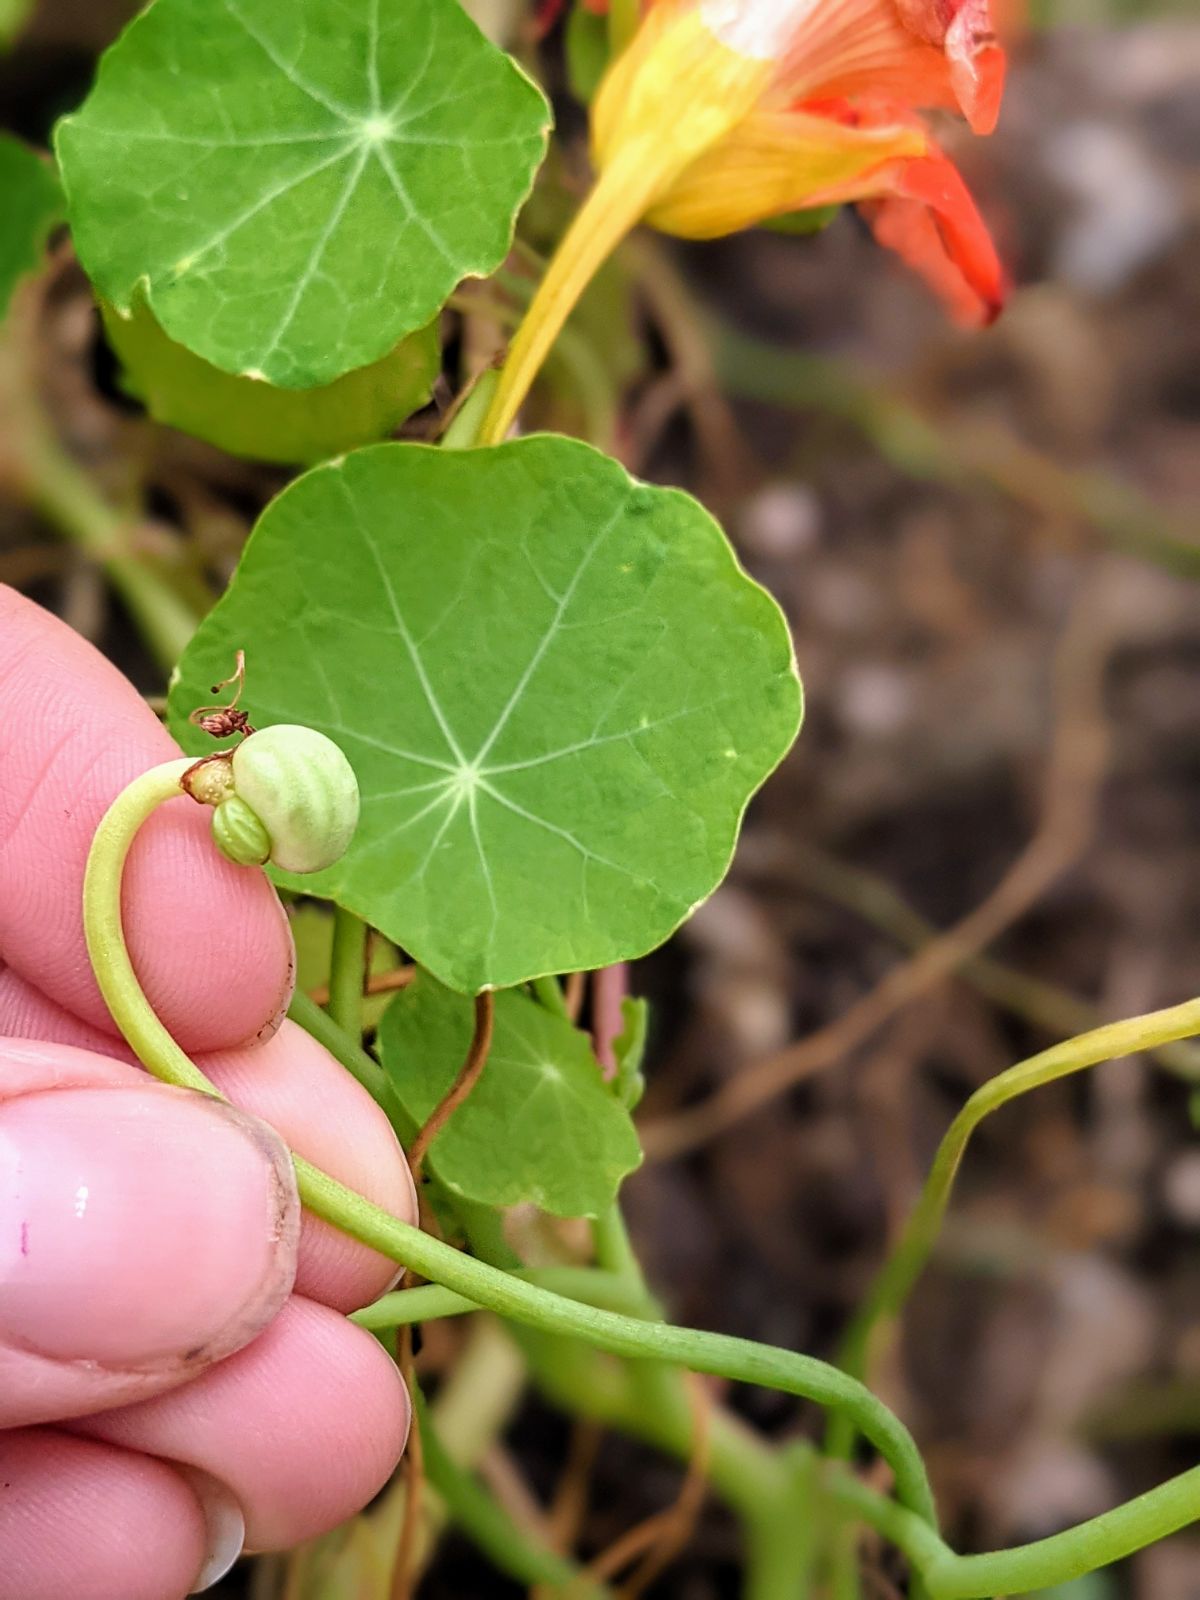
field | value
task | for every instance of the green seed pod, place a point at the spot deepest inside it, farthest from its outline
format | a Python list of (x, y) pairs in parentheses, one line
[(239, 834), (302, 790)]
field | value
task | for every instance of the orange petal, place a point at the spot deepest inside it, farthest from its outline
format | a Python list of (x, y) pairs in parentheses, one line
[(776, 162), (931, 221), (977, 64), (966, 33), (926, 53)]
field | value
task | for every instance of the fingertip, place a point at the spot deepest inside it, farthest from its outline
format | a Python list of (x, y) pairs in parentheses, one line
[(145, 1232), (312, 1388), (94, 1521), (209, 940), (293, 1083)]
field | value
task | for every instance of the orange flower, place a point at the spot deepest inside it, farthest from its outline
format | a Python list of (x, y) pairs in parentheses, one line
[(722, 113)]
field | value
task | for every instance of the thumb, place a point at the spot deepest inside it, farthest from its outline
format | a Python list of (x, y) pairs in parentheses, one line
[(145, 1232)]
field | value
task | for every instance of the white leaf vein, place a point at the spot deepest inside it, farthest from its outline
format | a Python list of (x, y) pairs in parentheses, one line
[(289, 69)]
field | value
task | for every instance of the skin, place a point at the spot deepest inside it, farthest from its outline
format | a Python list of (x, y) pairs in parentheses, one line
[(175, 1368)]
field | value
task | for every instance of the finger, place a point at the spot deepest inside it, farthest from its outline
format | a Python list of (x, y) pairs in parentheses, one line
[(294, 1084), (27, 1013), (94, 1522), (145, 1232), (304, 1426), (209, 940), (322, 1113)]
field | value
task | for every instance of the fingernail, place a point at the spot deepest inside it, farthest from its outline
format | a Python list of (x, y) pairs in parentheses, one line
[(225, 1523), (140, 1227)]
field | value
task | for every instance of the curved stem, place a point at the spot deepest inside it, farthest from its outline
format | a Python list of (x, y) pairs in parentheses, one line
[(460, 1090), (739, 1359), (1043, 1564), (946, 1576), (107, 950), (908, 1259), (620, 196)]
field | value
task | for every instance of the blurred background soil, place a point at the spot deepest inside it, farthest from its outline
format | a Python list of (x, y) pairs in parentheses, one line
[(982, 542)]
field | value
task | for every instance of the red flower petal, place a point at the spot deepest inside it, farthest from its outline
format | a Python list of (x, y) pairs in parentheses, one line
[(932, 223)]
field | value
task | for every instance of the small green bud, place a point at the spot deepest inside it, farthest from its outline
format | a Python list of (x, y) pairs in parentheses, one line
[(239, 834), (303, 792)]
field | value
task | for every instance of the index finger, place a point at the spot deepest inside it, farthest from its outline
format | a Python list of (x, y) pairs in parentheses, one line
[(208, 940)]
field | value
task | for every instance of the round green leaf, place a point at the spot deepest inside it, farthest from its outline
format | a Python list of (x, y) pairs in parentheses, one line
[(540, 1125), (30, 203), (251, 418), (556, 685), (295, 187)]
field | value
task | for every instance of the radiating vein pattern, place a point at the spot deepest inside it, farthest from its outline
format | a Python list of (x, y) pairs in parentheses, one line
[(555, 684), (540, 1125), (294, 188)]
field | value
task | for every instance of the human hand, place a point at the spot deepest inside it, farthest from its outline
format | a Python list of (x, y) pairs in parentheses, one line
[(176, 1376)]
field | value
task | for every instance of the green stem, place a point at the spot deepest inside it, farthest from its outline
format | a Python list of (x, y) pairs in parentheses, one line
[(582, 365), (549, 992), (658, 1387), (614, 1249), (307, 1014), (753, 1480), (744, 1471), (431, 1301), (489, 1527), (907, 1261), (738, 1359), (1042, 1565), (781, 1534), (107, 950), (748, 1475), (347, 971), (946, 1576), (462, 431)]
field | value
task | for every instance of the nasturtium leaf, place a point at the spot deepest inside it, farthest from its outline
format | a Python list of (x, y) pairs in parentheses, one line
[(556, 685), (30, 205), (251, 418), (295, 185), (540, 1125)]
